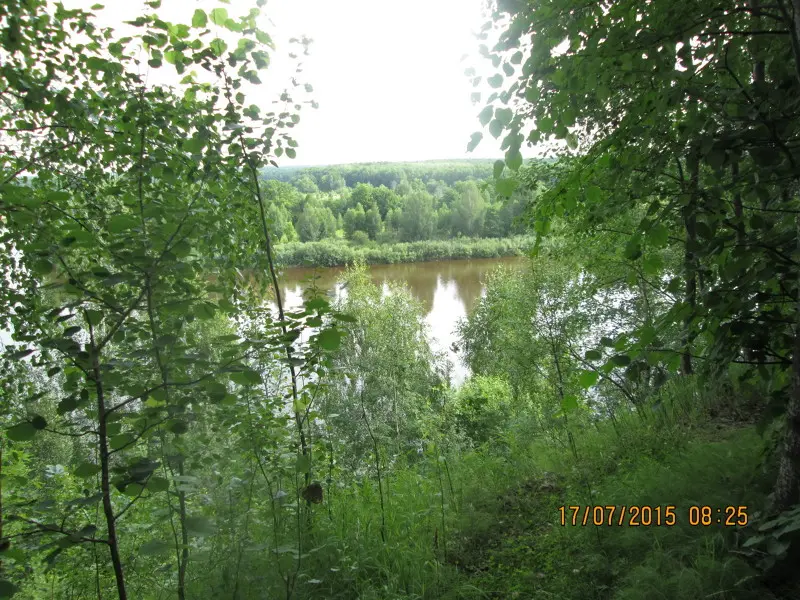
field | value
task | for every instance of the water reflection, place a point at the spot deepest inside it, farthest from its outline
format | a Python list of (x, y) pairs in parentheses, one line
[(448, 290)]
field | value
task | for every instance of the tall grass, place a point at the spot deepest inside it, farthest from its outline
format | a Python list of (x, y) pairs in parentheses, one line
[(484, 522), (330, 253)]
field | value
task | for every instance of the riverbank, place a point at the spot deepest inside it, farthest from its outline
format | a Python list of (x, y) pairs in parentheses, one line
[(332, 253)]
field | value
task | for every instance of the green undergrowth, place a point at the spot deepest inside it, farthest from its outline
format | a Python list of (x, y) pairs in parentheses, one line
[(512, 543), (486, 523)]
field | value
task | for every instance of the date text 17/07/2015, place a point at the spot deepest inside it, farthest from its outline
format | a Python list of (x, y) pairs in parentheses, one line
[(646, 516)]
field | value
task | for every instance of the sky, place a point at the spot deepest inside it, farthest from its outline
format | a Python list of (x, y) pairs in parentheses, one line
[(388, 75)]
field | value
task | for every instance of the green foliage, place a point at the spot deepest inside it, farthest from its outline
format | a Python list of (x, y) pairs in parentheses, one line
[(166, 432), (482, 408), (329, 253)]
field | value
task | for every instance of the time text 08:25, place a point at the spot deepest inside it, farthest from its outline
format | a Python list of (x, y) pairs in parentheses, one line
[(644, 516)]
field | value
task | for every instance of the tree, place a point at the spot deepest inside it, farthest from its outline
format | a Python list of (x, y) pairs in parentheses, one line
[(679, 112), (125, 196), (468, 210), (354, 220), (362, 194), (386, 200), (316, 222), (418, 217), (305, 184), (392, 368), (372, 223), (331, 181)]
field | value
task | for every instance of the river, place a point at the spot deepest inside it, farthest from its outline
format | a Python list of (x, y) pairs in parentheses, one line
[(448, 291)]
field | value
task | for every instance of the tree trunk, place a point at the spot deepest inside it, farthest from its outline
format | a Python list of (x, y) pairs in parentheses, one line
[(105, 485), (690, 259), (184, 562), (787, 488)]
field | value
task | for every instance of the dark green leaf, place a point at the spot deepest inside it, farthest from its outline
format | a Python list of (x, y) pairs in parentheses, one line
[(86, 469), (154, 547), (22, 432), (200, 526), (330, 339)]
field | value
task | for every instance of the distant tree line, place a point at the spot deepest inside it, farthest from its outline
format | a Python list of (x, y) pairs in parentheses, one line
[(444, 201), (334, 177)]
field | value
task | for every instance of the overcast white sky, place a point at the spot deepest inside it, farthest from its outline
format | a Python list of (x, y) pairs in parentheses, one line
[(387, 74), (388, 77)]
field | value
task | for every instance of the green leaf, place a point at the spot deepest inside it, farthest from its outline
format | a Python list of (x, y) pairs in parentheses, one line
[(22, 432), (544, 124), (569, 403), (39, 422), (133, 489), (588, 378), (118, 441), (652, 264), (42, 267), (486, 115), (475, 139), (572, 141), (504, 115), (154, 547), (94, 317), (658, 235), (506, 187), (496, 128), (330, 339), (157, 484), (621, 360), (594, 194), (495, 80), (218, 47), (219, 16), (66, 405), (593, 355), (200, 19), (499, 166), (177, 426), (199, 526), (303, 463), (317, 304), (345, 318), (264, 38), (514, 160), (633, 249), (120, 223), (86, 469), (7, 589)]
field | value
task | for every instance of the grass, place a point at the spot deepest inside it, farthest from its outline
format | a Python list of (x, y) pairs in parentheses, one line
[(513, 546), (331, 253), (485, 524)]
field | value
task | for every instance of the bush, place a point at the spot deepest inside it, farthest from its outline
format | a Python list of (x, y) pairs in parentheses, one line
[(481, 408), (360, 238)]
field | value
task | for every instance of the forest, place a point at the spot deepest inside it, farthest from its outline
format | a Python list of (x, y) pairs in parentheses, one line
[(630, 427), (355, 219)]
